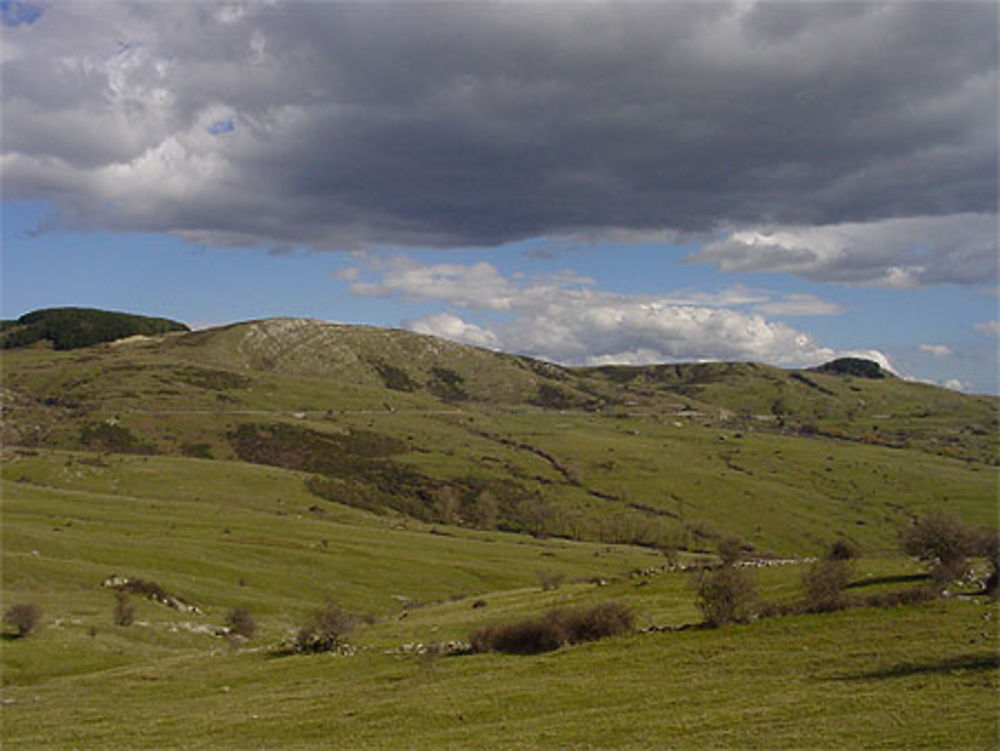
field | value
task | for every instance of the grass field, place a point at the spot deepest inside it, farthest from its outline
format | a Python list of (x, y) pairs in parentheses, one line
[(126, 460), (921, 676)]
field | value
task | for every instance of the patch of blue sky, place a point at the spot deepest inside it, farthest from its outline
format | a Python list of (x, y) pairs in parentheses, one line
[(162, 275), (16, 13), (221, 126)]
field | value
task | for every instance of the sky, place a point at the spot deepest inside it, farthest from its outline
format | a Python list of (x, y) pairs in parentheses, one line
[(584, 182)]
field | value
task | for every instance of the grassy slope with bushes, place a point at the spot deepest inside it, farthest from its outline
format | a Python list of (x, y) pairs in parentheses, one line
[(271, 467)]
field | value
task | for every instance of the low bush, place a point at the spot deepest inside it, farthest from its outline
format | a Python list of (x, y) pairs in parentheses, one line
[(447, 385), (554, 629), (553, 397), (824, 582), (731, 550), (943, 541), (842, 550), (598, 622), (239, 622), (197, 450), (325, 630), (550, 580), (394, 378), (525, 637), (726, 595), (123, 611), (105, 436), (988, 546), (25, 618)]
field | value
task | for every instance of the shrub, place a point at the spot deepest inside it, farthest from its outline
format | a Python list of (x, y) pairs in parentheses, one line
[(550, 580), (943, 541), (598, 622), (241, 623), (197, 450), (24, 618), (842, 550), (824, 582), (986, 543), (726, 595), (731, 550), (553, 629), (447, 385), (123, 612), (552, 397), (526, 637), (325, 629), (105, 436), (394, 378)]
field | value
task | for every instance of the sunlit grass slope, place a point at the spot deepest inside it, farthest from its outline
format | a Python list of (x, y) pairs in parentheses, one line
[(223, 535), (431, 489)]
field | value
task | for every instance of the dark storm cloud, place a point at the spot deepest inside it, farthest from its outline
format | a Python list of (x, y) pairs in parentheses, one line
[(478, 124)]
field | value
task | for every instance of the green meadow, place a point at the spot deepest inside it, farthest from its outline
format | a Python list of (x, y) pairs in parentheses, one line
[(431, 490)]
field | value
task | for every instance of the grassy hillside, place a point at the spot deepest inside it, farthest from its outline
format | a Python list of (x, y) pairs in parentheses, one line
[(223, 536), (431, 489), (665, 455)]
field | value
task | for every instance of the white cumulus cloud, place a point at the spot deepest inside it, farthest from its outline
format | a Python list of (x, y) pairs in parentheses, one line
[(450, 326), (565, 318)]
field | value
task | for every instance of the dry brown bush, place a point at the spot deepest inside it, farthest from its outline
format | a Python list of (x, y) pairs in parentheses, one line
[(241, 623), (325, 630), (824, 582), (25, 618), (554, 629)]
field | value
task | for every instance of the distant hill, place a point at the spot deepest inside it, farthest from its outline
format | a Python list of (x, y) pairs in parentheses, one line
[(71, 328), (387, 359), (402, 361)]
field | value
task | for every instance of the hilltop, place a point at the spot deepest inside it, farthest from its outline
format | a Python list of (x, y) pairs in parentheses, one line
[(72, 328)]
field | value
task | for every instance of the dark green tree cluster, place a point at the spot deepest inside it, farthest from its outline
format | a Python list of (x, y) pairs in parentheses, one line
[(71, 328), (853, 366)]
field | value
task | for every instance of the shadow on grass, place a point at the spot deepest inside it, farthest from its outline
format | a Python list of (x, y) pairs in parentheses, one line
[(900, 579), (982, 661)]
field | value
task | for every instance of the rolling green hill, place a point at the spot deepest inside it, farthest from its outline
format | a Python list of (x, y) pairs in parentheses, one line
[(390, 420), (431, 488)]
